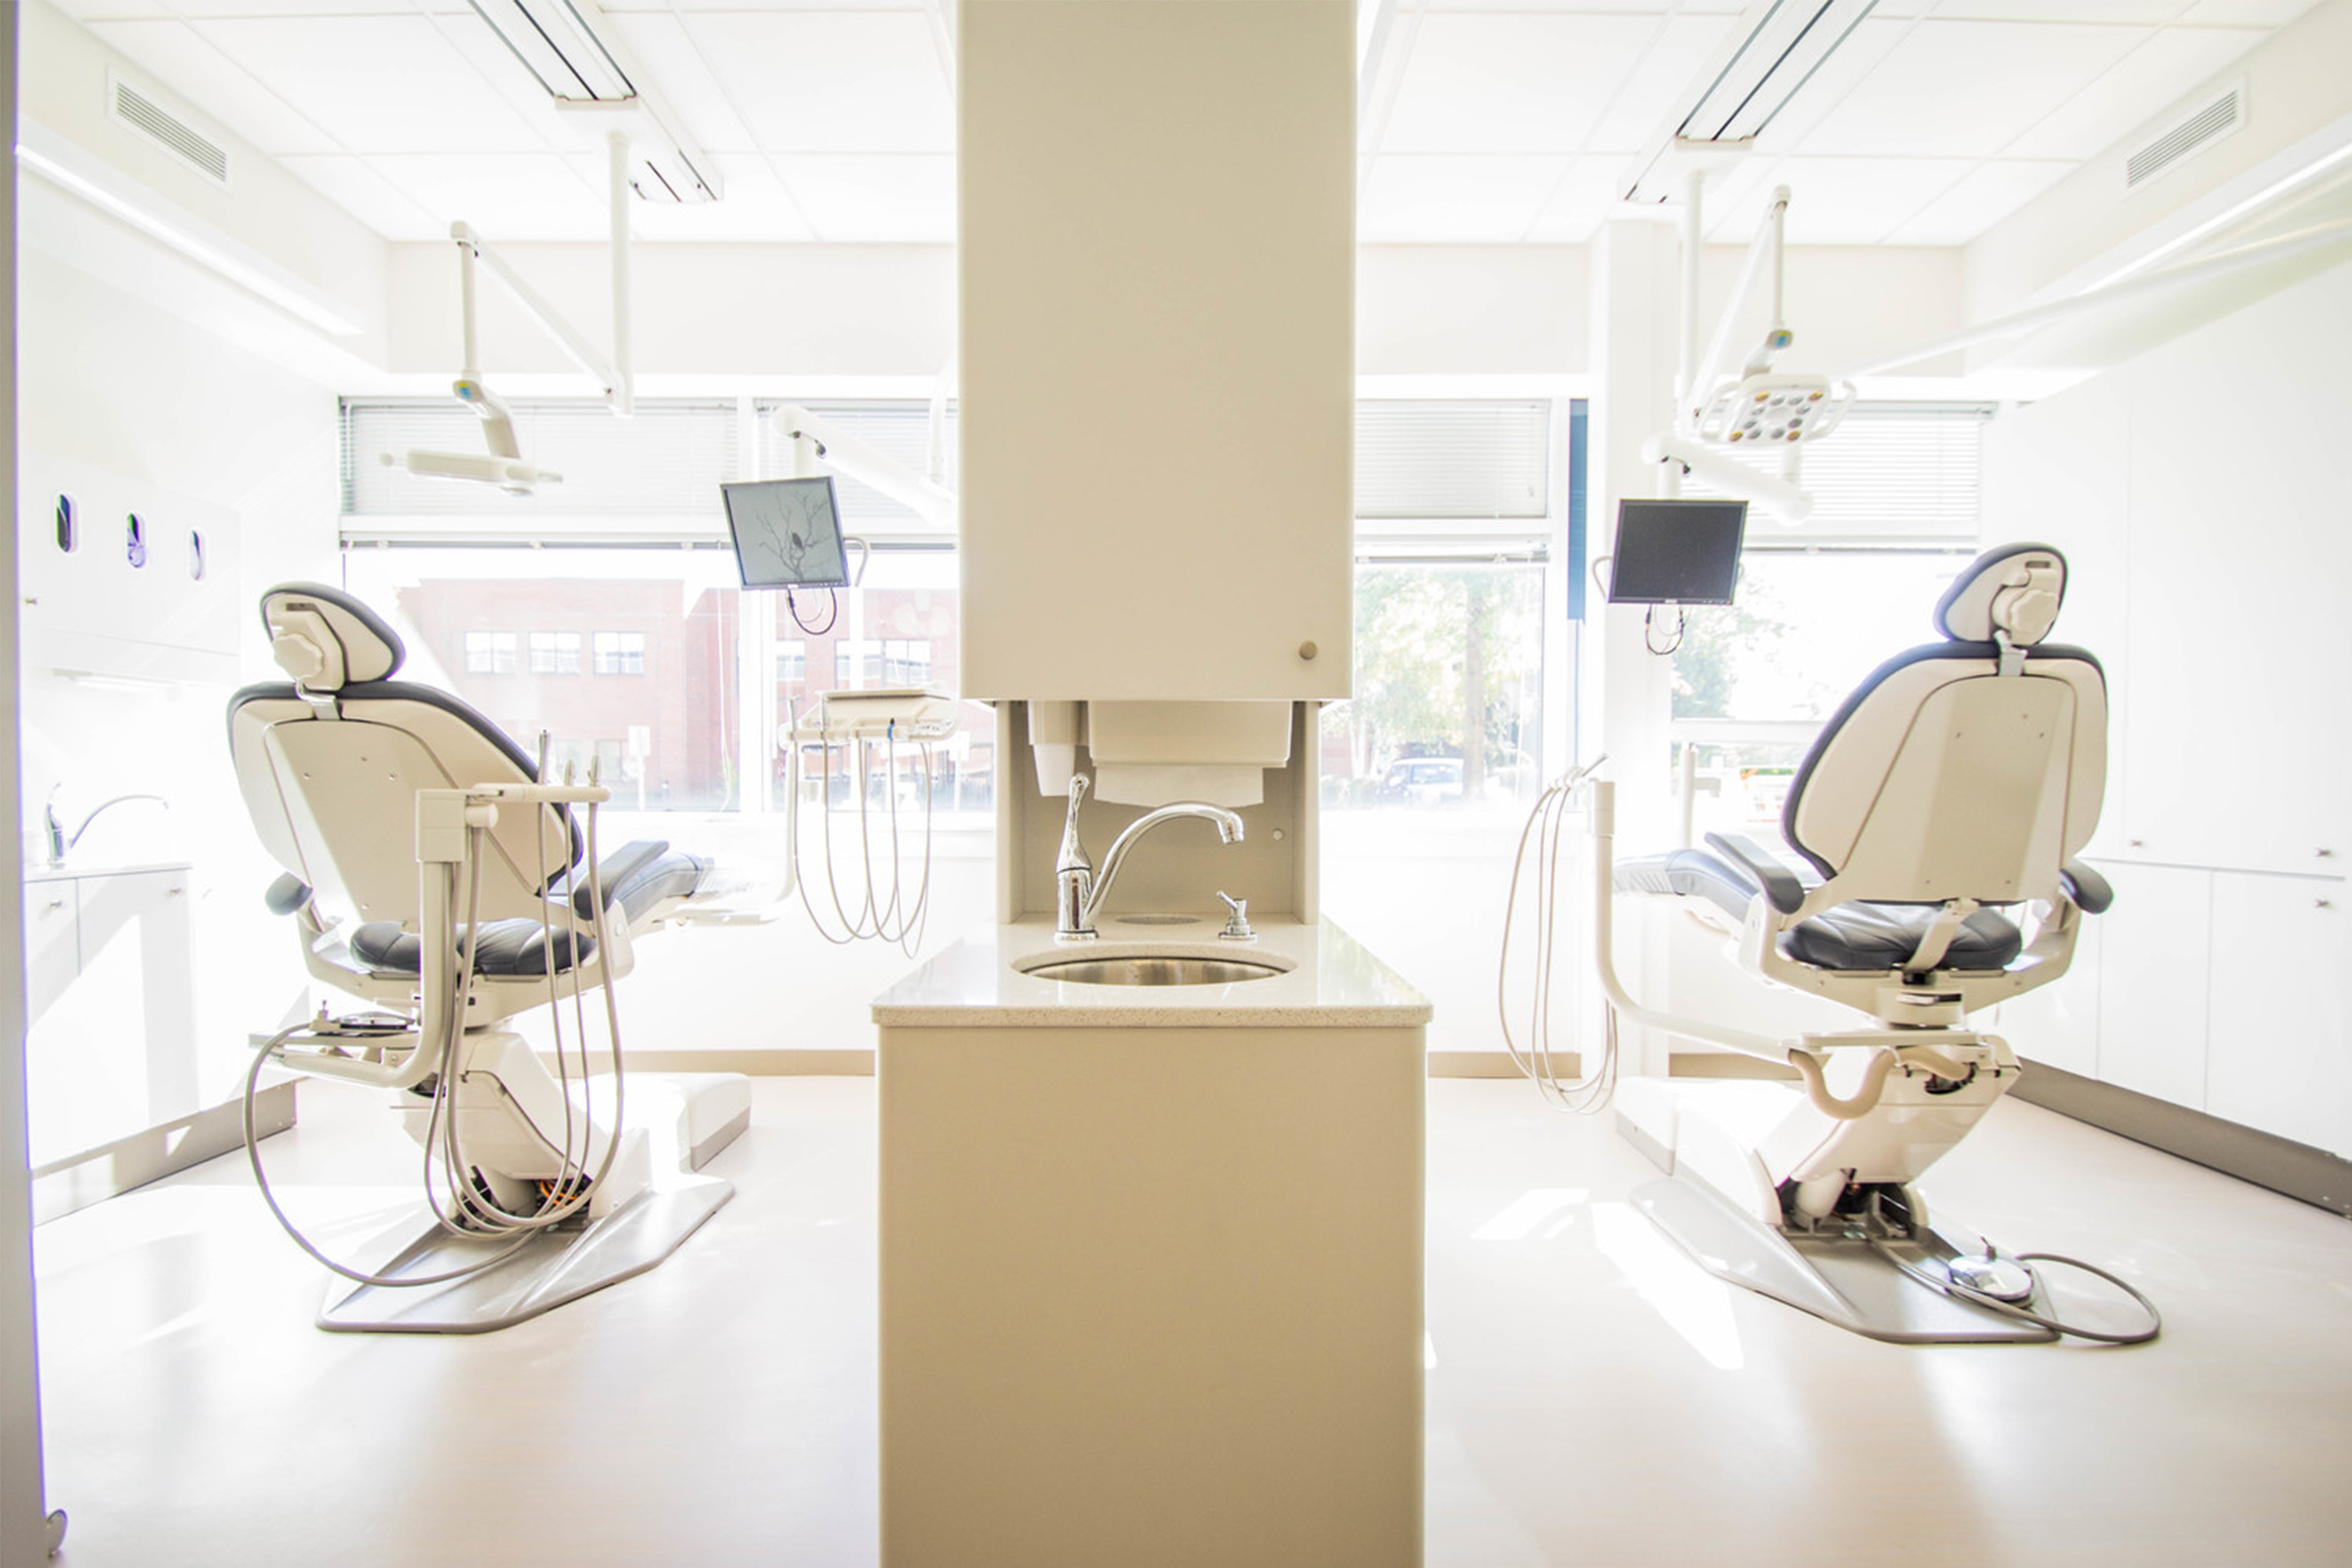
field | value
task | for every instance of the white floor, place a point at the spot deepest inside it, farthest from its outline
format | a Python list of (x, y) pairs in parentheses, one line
[(1594, 1399)]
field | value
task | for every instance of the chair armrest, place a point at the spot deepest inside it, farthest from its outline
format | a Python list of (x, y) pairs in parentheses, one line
[(1780, 885), (2092, 893), (614, 873), (286, 895)]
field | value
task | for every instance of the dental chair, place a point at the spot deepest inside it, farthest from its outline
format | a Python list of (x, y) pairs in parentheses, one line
[(416, 836), (1935, 819)]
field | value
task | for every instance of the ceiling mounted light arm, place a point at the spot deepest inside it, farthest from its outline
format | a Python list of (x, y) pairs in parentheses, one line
[(1765, 250), (818, 446)]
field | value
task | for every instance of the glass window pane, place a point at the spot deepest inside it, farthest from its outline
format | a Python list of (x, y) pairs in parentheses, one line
[(665, 741), (1804, 630), (1449, 690), (900, 629)]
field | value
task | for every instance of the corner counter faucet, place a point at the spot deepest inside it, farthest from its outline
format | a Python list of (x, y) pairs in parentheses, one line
[(54, 831), (1079, 892)]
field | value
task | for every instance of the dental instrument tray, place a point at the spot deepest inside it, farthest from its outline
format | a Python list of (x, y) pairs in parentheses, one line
[(917, 713)]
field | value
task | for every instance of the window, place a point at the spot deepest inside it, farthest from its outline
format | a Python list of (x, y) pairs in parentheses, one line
[(792, 663), (620, 653), (856, 663), (1896, 515), (489, 653), (906, 662), (1449, 689), (555, 653)]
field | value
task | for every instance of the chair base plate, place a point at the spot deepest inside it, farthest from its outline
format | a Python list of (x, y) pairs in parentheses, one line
[(1836, 1277), (553, 1268)]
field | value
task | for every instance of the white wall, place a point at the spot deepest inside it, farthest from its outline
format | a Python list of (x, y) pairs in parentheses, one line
[(2198, 492), (2090, 223), (122, 384)]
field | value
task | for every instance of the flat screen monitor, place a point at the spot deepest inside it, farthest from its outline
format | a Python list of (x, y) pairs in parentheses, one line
[(1677, 552), (787, 534)]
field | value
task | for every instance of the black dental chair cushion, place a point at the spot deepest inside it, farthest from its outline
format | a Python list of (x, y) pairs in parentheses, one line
[(506, 950), (639, 874), (1849, 936)]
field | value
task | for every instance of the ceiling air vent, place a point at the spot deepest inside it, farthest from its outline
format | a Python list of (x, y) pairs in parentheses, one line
[(2201, 127), (160, 125)]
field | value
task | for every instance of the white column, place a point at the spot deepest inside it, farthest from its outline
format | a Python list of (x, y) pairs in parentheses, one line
[(23, 1538), (1627, 691)]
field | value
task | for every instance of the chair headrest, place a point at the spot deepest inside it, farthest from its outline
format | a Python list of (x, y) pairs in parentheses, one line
[(2015, 589), (326, 639)]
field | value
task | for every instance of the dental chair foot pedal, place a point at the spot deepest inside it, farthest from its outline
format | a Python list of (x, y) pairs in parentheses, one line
[(715, 1108), (696, 1114)]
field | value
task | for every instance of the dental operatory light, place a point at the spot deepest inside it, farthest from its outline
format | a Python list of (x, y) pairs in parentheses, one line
[(504, 464)]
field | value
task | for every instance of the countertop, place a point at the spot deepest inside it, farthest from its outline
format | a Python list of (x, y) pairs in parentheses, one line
[(1330, 982)]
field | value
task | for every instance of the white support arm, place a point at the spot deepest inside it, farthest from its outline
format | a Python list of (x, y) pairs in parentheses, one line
[(816, 442), (582, 353), (1602, 809), (1765, 245)]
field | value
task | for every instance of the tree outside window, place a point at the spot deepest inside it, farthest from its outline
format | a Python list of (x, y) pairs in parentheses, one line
[(1449, 688)]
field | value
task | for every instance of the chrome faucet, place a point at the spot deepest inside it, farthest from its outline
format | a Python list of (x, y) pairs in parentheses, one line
[(1079, 892), (54, 831)]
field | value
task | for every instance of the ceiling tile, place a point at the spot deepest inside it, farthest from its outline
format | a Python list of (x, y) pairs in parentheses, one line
[(507, 197), (377, 84), (2144, 84), (1422, 200), (2245, 13), (681, 78), (1680, 50), (182, 60), (2145, 13), (877, 199), (754, 209), (368, 197), (1979, 199), (1967, 88), (1851, 64), (832, 81), (1581, 202), (1838, 201), (1512, 81)]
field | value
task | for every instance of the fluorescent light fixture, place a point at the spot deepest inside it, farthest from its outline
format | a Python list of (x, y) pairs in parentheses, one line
[(572, 53), (1774, 50), (118, 197)]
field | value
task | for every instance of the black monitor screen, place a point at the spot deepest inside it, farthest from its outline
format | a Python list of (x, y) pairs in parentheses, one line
[(1677, 552), (787, 534)]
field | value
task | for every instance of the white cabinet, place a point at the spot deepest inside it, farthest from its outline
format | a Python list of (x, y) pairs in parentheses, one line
[(1157, 256), (2058, 1024), (2156, 943), (110, 1042), (2278, 1056), (2234, 750)]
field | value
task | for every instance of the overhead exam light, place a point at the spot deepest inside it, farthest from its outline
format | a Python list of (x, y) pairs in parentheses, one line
[(1772, 52), (574, 54)]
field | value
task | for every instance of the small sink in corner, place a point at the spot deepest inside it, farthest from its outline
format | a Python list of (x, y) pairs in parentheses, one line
[(1151, 968)]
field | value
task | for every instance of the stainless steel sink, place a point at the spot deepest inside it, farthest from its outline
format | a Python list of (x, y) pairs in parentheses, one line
[(1154, 969)]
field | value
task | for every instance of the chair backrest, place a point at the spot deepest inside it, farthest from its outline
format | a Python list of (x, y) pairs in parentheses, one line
[(1972, 767), (331, 762)]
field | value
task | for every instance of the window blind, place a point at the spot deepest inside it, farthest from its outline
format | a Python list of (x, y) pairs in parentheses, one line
[(900, 431), (666, 461), (1456, 458), (1907, 473)]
